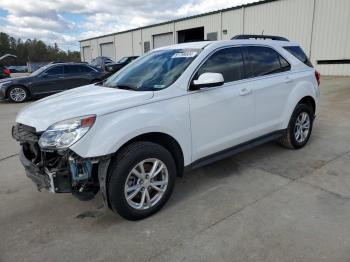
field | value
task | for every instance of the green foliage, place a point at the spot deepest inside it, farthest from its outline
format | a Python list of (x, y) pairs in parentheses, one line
[(33, 51)]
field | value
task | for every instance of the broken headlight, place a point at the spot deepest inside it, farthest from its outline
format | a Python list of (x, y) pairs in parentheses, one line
[(65, 133)]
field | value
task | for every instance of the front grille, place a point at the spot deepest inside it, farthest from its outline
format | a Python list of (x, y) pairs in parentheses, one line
[(24, 133)]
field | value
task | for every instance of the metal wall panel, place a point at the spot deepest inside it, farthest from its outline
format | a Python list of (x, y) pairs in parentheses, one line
[(322, 27), (331, 35), (136, 42), (289, 18), (95, 49), (211, 23), (123, 44), (232, 22)]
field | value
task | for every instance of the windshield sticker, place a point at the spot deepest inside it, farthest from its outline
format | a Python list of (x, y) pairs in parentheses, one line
[(184, 54), (158, 86)]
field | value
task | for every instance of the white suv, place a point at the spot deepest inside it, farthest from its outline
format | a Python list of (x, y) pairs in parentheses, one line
[(176, 108)]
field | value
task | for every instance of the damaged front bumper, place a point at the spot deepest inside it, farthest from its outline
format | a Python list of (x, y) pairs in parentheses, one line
[(61, 171)]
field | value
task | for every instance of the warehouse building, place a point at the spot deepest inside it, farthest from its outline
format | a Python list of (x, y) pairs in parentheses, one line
[(322, 27)]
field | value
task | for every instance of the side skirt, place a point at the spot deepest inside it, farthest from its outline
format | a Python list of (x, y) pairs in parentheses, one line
[(234, 150)]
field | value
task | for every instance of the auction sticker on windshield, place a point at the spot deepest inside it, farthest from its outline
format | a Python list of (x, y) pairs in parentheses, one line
[(184, 54)]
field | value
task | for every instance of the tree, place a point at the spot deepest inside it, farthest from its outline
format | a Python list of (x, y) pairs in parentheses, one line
[(33, 50)]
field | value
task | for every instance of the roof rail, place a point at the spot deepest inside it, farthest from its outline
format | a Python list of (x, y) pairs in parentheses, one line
[(272, 37)]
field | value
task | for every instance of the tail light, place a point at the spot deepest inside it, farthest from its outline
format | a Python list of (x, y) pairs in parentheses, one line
[(318, 77), (6, 71)]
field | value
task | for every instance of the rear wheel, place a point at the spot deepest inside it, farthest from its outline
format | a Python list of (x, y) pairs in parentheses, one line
[(141, 180), (17, 94), (300, 127)]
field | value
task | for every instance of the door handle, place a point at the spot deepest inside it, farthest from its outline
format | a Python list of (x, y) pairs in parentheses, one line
[(245, 91)]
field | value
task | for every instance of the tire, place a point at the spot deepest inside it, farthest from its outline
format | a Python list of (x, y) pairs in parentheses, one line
[(123, 178), (293, 139), (17, 94)]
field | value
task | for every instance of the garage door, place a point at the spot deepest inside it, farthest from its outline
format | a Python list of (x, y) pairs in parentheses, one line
[(107, 50), (162, 40), (87, 54)]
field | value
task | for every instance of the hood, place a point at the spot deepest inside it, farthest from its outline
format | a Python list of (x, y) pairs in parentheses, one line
[(82, 101), (18, 79)]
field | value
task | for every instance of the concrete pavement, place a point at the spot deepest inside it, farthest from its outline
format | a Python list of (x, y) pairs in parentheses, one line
[(266, 204)]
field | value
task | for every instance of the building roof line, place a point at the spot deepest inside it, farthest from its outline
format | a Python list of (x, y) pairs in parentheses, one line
[(184, 18)]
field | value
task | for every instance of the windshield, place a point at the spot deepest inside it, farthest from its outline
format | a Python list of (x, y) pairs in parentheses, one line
[(40, 70), (155, 71)]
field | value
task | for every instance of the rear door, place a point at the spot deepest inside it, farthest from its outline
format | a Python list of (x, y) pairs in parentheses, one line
[(269, 74), (223, 116)]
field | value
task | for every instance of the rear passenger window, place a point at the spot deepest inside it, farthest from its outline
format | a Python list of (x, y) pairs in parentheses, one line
[(228, 62), (76, 69), (299, 53), (262, 61)]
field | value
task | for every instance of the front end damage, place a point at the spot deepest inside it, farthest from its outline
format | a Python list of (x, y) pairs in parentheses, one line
[(60, 171)]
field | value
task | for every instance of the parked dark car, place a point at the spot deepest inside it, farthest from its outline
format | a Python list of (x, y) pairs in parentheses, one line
[(101, 62), (115, 67), (4, 72), (48, 80)]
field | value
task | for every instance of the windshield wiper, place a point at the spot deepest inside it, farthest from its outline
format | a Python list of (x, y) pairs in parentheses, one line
[(126, 87)]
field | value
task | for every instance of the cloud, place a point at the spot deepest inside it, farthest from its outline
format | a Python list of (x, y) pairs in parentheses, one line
[(47, 19)]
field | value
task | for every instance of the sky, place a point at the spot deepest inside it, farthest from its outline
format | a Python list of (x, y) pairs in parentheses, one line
[(65, 22)]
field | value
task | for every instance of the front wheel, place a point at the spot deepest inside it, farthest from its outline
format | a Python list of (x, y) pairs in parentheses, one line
[(141, 181), (17, 94), (300, 127)]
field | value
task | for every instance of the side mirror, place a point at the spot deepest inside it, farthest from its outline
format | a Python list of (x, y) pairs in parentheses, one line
[(208, 80)]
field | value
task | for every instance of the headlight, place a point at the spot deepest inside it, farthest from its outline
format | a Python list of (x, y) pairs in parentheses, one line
[(65, 133)]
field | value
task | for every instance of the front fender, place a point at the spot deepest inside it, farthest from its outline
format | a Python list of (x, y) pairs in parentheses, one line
[(113, 130)]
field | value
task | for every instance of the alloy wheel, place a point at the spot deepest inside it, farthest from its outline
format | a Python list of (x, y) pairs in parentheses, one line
[(18, 94), (146, 184), (302, 127)]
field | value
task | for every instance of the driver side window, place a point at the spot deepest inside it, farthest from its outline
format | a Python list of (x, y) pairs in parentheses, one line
[(56, 70), (228, 62)]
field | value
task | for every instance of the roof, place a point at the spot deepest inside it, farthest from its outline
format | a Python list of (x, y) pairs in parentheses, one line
[(204, 44), (260, 2)]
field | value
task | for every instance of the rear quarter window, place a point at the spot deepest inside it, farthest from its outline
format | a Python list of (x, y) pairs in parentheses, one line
[(261, 61), (299, 53)]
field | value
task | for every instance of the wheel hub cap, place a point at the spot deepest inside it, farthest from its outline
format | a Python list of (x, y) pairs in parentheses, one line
[(302, 127), (146, 184), (18, 94)]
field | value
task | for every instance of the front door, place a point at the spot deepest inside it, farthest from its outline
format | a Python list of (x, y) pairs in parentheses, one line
[(49, 81), (222, 117)]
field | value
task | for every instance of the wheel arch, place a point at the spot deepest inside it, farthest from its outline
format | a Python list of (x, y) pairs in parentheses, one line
[(165, 140), (308, 100), (19, 85)]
